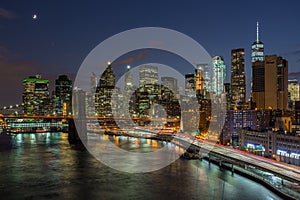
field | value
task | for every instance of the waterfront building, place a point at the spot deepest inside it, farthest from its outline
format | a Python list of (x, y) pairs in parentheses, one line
[(35, 96), (280, 145), (63, 96), (79, 103), (91, 95), (236, 120)]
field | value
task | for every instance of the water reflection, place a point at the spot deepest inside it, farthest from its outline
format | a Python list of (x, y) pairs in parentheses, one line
[(45, 166)]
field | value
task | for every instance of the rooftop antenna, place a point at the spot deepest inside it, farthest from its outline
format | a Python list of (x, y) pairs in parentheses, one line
[(257, 32)]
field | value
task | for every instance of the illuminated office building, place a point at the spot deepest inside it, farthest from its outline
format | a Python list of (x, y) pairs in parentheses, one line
[(294, 92), (258, 71), (36, 96), (148, 75), (128, 80), (63, 95), (238, 80), (190, 85), (79, 103), (257, 47), (219, 75), (104, 92), (273, 85), (171, 83), (203, 72), (200, 87)]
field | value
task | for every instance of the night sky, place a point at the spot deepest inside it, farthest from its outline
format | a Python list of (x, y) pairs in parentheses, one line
[(64, 32)]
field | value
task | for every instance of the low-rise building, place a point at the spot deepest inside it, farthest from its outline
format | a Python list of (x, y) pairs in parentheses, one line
[(280, 145)]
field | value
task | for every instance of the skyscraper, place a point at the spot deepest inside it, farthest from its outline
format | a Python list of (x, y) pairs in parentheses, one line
[(205, 72), (171, 83), (148, 75), (190, 85), (90, 101), (238, 82), (104, 91), (219, 75), (257, 47), (63, 95), (258, 71), (276, 83), (36, 96), (294, 92), (79, 101), (128, 80)]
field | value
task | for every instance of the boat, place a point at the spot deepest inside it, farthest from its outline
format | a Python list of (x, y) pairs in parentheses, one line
[(40, 130)]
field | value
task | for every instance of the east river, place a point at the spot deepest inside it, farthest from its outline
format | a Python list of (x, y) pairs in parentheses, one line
[(46, 166)]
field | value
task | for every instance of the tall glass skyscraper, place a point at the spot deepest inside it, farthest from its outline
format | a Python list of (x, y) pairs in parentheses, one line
[(258, 72), (204, 71), (238, 82), (104, 91), (63, 95), (257, 47), (219, 75)]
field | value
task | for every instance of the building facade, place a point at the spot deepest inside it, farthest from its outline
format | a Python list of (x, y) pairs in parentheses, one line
[(273, 144), (148, 74), (258, 71), (35, 96), (63, 96), (171, 83), (190, 85), (104, 93), (270, 83), (236, 120), (219, 75), (238, 80), (294, 92), (276, 83), (79, 103)]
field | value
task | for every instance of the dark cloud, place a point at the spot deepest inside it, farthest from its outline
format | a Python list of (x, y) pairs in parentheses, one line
[(7, 14), (129, 60), (294, 74)]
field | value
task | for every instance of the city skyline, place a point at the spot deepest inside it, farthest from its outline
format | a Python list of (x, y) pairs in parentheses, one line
[(153, 99), (30, 45)]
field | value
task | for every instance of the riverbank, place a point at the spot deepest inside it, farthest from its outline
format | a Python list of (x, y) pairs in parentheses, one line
[(253, 177), (285, 193)]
